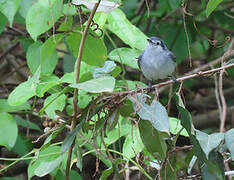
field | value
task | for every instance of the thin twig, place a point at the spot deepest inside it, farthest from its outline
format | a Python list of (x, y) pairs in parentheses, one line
[(75, 108)]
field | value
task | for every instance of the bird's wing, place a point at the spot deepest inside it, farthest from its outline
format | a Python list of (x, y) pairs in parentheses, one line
[(172, 56), (139, 60)]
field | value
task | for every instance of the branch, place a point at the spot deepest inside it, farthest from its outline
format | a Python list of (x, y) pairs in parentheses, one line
[(181, 79), (75, 97)]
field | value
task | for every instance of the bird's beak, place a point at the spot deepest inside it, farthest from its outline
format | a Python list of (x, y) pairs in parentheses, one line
[(149, 40)]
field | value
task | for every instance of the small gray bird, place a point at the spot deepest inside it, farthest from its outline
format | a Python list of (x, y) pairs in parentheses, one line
[(156, 61)]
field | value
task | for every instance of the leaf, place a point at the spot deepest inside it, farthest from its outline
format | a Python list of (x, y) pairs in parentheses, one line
[(126, 56), (3, 22), (57, 104), (33, 56), (108, 67), (104, 6), (153, 140), (42, 16), (133, 143), (70, 138), (26, 123), (175, 127), (49, 159), (209, 142), (8, 130), (78, 151), (106, 173), (9, 9), (100, 18), (229, 136), (45, 84), (155, 113), (212, 4), (123, 28), (94, 51), (22, 145), (25, 6), (25, 90), (5, 107), (98, 85)]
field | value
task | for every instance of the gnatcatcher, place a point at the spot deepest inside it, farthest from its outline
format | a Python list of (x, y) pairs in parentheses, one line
[(156, 61)]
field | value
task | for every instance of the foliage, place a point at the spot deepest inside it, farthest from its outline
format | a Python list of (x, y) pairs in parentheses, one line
[(113, 118)]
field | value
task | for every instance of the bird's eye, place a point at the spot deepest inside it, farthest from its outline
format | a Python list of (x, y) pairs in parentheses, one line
[(157, 43)]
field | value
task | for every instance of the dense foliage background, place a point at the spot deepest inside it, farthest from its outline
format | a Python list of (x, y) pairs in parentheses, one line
[(74, 105)]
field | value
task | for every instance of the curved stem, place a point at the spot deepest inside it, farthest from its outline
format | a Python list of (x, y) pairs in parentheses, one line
[(75, 97)]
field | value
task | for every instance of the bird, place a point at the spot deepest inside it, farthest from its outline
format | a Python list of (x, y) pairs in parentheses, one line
[(156, 61)]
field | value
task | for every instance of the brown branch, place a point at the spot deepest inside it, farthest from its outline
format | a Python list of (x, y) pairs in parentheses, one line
[(75, 108), (181, 79)]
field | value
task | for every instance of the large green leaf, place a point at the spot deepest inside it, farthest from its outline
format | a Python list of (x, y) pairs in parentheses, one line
[(94, 52), (25, 90), (155, 113), (133, 143), (176, 127), (26, 124), (9, 9), (209, 142), (45, 84), (42, 16), (5, 107), (212, 4), (153, 140), (123, 28), (229, 136), (126, 56), (33, 56), (57, 104), (44, 54), (103, 84), (48, 160), (3, 21), (8, 130)]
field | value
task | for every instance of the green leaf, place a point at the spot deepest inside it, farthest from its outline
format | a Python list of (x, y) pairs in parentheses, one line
[(27, 124), (212, 4), (229, 136), (133, 143), (153, 140), (209, 142), (3, 21), (49, 57), (123, 28), (51, 137), (98, 85), (10, 178), (8, 130), (100, 18), (106, 173), (42, 16), (155, 113), (70, 138), (126, 56), (48, 160), (57, 104), (33, 56), (78, 151), (45, 84), (9, 9), (94, 52), (23, 145), (175, 127), (5, 107), (25, 5), (25, 90)]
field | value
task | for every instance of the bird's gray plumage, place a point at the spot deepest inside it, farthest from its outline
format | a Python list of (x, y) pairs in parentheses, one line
[(156, 61)]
